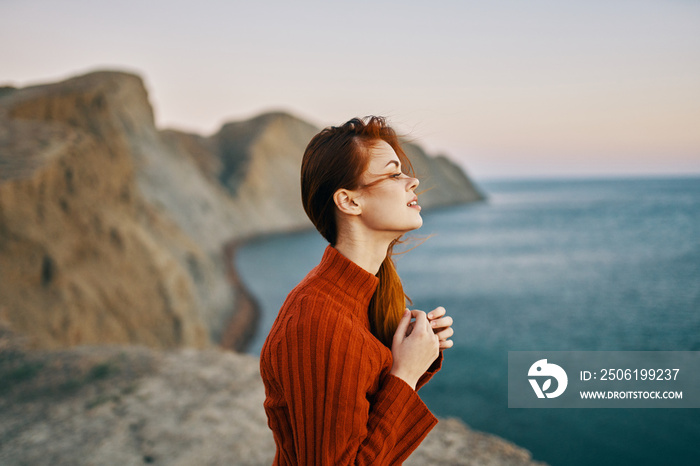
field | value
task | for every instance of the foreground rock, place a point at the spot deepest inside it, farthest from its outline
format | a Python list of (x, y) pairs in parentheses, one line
[(132, 406)]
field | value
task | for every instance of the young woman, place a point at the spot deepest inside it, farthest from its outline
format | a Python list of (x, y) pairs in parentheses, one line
[(345, 357)]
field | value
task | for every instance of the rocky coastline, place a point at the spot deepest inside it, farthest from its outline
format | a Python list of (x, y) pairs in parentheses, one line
[(242, 327), (117, 284)]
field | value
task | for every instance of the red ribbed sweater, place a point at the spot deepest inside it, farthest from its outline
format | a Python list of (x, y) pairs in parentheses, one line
[(330, 399)]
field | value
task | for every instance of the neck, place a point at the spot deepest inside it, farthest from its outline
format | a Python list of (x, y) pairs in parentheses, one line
[(368, 253)]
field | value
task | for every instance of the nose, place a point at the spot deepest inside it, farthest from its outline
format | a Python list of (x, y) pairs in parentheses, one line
[(412, 183)]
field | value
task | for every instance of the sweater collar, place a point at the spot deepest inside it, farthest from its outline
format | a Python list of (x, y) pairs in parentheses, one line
[(352, 279)]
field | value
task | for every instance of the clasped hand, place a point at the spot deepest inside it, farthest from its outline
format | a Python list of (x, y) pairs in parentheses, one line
[(416, 344), (441, 325)]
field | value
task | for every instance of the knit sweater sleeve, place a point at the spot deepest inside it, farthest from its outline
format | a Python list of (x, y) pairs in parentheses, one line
[(432, 370), (338, 414)]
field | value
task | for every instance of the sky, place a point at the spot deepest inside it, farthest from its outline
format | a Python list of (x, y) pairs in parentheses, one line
[(509, 89)]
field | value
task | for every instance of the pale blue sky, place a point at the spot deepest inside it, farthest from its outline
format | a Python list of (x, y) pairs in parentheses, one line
[(510, 88)]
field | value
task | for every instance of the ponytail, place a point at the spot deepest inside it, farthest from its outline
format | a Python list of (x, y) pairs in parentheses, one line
[(388, 302)]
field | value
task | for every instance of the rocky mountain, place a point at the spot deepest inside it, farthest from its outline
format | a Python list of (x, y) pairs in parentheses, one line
[(84, 257), (113, 231)]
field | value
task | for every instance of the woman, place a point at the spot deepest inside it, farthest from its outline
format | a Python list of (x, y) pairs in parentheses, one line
[(344, 359)]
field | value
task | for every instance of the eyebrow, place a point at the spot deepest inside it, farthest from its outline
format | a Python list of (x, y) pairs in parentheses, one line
[(394, 162)]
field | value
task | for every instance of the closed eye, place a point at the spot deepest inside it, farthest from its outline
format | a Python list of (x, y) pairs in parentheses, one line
[(396, 175)]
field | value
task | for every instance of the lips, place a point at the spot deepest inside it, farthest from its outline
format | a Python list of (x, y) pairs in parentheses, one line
[(414, 203)]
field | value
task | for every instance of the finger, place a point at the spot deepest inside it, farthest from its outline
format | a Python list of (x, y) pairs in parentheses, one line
[(445, 334), (403, 325), (437, 312), (446, 344), (444, 322), (421, 318)]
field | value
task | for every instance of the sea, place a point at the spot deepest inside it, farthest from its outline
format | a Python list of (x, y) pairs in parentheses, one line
[(555, 265)]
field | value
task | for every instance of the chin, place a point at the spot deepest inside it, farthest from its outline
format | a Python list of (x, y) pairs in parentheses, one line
[(419, 222), (416, 225)]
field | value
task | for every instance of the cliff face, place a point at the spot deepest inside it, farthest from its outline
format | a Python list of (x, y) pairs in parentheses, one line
[(262, 159), (256, 162), (113, 231), (83, 259)]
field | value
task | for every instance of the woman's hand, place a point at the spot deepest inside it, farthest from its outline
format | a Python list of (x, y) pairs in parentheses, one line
[(413, 351), (442, 326)]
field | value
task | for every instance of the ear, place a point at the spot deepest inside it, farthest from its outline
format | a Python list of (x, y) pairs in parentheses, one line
[(346, 201)]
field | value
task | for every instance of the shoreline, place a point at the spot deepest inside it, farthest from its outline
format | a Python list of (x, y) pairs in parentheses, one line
[(242, 327), (245, 318)]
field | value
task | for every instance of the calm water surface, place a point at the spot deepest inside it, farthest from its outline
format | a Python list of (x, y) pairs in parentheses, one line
[(543, 265)]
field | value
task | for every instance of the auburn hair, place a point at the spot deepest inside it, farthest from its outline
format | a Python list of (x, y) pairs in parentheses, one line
[(335, 159)]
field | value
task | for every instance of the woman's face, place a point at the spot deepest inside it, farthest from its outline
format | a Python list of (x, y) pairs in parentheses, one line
[(387, 197)]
